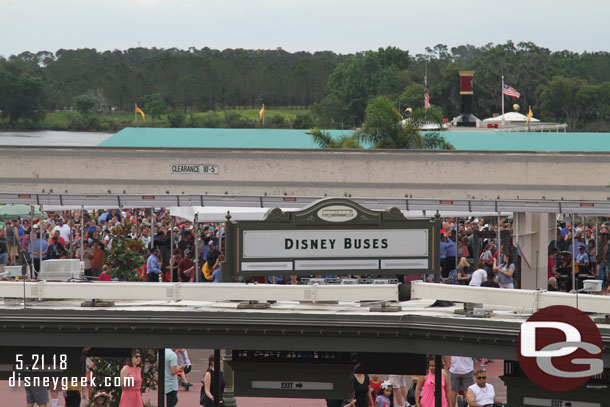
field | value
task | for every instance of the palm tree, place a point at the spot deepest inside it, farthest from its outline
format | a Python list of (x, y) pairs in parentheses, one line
[(325, 140), (383, 128)]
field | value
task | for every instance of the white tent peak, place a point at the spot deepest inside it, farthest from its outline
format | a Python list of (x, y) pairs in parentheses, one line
[(510, 117)]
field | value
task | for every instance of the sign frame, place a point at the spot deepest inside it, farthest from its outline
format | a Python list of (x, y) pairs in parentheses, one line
[(328, 215)]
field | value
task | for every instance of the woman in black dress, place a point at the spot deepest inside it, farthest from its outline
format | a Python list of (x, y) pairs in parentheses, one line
[(362, 391), (208, 389)]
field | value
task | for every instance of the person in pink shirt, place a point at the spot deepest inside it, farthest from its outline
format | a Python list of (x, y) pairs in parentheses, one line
[(424, 392)]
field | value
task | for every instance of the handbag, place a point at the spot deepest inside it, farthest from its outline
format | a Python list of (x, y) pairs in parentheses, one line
[(411, 393)]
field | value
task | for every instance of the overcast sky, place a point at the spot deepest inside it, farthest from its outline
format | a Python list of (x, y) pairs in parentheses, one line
[(311, 25)]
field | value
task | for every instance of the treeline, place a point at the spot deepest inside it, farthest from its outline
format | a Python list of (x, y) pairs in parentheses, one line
[(560, 86)]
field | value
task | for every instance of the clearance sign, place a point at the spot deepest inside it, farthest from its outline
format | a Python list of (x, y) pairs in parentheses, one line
[(332, 236)]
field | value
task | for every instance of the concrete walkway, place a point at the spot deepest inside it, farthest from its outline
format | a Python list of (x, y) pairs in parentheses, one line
[(15, 397)]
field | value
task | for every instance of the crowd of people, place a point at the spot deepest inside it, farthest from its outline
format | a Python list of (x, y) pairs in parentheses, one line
[(177, 366), (59, 235), (177, 250), (582, 251), (459, 377)]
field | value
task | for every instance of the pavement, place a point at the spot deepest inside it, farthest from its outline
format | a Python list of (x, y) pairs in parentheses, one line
[(15, 396)]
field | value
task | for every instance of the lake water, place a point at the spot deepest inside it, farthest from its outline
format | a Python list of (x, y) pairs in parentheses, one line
[(52, 138)]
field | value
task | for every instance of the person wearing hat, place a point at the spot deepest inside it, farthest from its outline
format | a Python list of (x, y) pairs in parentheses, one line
[(101, 399), (213, 253), (582, 260), (383, 399)]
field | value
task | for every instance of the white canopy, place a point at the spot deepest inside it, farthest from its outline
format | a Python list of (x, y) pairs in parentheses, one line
[(509, 117), (219, 213)]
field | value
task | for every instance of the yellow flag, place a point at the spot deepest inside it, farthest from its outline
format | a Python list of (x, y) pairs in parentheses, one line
[(138, 110), (529, 115), (262, 112)]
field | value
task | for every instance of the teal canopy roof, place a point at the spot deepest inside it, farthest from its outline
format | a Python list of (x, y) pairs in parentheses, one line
[(213, 138), (280, 138)]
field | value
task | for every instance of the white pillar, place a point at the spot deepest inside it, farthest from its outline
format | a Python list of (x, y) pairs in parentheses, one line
[(533, 232)]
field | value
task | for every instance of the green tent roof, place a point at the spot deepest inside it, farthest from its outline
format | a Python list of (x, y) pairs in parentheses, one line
[(219, 138), (280, 138)]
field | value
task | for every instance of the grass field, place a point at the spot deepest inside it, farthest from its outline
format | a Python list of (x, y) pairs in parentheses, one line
[(117, 121)]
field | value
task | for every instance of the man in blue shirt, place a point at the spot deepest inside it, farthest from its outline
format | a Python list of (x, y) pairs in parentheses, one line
[(172, 368), (153, 266), (582, 259), (38, 251)]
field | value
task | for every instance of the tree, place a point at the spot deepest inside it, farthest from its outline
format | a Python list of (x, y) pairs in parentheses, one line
[(330, 112), (434, 141), (325, 140), (84, 103), (566, 98), (303, 121), (433, 115), (124, 257), (412, 96), (154, 105), (384, 129), (21, 93)]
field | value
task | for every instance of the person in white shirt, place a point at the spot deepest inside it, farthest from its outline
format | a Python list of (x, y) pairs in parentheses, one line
[(64, 230), (478, 276), (481, 393), (461, 368), (146, 238)]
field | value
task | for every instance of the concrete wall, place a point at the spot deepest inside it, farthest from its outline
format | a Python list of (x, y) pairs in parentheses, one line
[(364, 174)]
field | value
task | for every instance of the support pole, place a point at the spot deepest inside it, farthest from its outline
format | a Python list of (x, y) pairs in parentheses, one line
[(137, 224), (457, 238), (499, 242), (533, 232), (502, 93), (171, 251), (41, 235), (573, 255), (152, 229), (161, 378), (195, 231), (217, 378), (438, 381), (31, 242), (436, 245), (228, 395), (82, 232), (71, 221), (228, 265)]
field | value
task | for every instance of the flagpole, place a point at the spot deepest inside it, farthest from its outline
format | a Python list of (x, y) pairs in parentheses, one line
[(426, 85), (502, 93)]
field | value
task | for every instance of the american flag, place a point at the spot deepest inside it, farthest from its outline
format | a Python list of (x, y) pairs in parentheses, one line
[(510, 91)]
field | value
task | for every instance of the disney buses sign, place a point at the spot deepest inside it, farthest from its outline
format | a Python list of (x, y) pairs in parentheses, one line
[(332, 236)]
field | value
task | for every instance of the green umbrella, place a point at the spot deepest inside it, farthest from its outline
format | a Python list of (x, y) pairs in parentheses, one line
[(8, 212)]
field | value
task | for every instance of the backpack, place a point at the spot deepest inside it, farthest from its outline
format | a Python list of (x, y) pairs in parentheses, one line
[(207, 271), (453, 277)]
